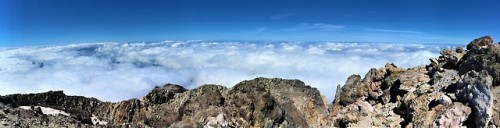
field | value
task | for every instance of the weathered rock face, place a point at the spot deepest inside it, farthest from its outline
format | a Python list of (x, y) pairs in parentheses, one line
[(495, 117), (479, 43), (454, 116), (261, 102), (460, 88), (474, 89), (483, 55)]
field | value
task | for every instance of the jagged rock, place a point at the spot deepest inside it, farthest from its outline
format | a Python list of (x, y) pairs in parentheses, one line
[(493, 68), (441, 80), (421, 109), (373, 80), (412, 78), (421, 96), (337, 94), (459, 50), (487, 59), (385, 114), (375, 84), (454, 116), (495, 116), (479, 43), (163, 94), (358, 114), (449, 59), (288, 94), (363, 114), (79, 107), (17, 117), (261, 102), (474, 89), (351, 90)]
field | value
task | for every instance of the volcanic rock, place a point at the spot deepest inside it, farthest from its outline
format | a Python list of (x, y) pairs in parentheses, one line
[(459, 88), (474, 89), (479, 43), (261, 102), (454, 116)]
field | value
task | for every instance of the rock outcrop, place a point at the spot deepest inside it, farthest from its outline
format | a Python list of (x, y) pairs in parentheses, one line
[(261, 102), (459, 88)]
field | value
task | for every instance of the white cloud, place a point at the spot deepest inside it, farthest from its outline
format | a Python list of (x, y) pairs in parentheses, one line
[(316, 26), (118, 71)]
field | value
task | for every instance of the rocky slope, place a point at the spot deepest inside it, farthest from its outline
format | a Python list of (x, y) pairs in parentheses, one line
[(460, 88)]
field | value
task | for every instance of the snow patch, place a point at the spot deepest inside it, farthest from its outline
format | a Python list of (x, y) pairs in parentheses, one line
[(96, 121), (46, 110)]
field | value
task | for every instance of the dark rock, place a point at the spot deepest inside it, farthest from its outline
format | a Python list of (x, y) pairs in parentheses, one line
[(351, 91), (488, 60), (479, 43), (163, 94)]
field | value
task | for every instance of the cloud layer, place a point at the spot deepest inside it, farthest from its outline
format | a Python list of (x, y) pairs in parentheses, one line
[(118, 71)]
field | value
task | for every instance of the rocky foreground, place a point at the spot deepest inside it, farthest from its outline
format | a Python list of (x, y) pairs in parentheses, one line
[(460, 88)]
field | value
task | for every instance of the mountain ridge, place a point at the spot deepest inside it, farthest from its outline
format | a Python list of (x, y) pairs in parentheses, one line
[(460, 88)]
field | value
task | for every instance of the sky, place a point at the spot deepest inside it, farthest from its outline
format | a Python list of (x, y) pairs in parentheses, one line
[(54, 22), (94, 47)]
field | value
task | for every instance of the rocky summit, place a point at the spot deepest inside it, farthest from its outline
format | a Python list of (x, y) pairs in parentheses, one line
[(459, 88)]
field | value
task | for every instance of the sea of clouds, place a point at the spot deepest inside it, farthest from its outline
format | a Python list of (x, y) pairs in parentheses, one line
[(119, 71)]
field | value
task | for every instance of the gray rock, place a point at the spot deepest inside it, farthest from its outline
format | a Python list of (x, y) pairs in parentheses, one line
[(474, 89), (495, 118), (444, 79)]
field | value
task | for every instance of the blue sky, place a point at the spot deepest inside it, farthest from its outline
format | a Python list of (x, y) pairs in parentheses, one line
[(52, 22)]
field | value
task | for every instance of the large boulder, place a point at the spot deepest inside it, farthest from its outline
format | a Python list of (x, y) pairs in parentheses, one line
[(163, 94), (374, 86), (482, 56), (474, 89), (479, 43)]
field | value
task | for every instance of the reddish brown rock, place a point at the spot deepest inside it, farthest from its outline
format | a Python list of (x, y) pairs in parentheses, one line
[(454, 116)]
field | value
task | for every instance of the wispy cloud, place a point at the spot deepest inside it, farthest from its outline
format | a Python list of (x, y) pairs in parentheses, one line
[(396, 31), (316, 26), (256, 30), (280, 16)]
